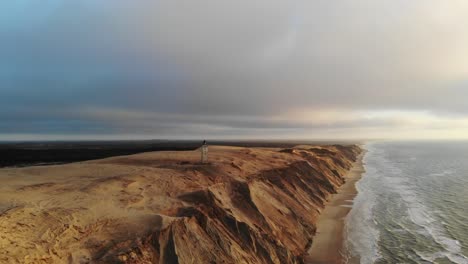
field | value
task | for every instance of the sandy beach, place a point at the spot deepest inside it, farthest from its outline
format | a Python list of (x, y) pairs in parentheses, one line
[(328, 246)]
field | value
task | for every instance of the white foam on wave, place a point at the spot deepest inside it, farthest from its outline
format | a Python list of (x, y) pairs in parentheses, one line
[(419, 215), (361, 229), (431, 257), (443, 173), (361, 234), (422, 216)]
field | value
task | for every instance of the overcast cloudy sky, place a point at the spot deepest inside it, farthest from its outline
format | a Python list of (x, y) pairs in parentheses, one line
[(233, 69)]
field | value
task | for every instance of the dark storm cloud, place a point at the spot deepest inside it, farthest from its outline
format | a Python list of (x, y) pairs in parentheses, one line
[(187, 68)]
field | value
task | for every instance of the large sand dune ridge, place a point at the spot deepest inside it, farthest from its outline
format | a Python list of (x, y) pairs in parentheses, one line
[(248, 205)]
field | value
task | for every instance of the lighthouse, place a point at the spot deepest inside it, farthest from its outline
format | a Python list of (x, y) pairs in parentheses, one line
[(204, 152)]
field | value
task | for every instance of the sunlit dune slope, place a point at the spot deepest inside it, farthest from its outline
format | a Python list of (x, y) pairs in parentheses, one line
[(248, 205)]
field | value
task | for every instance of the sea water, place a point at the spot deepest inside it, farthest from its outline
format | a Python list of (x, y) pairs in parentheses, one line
[(412, 205)]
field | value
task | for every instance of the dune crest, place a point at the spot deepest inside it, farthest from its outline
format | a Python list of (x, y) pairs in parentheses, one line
[(248, 205)]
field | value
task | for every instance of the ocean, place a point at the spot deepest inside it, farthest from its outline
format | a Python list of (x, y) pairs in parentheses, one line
[(412, 205)]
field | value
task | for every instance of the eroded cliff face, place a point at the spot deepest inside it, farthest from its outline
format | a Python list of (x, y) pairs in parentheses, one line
[(249, 205)]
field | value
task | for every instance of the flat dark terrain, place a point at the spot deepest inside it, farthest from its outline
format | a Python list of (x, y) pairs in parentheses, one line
[(21, 154)]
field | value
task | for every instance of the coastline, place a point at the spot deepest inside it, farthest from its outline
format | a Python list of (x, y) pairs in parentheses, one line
[(328, 243)]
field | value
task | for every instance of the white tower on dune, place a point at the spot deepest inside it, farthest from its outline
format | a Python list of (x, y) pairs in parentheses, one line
[(204, 152)]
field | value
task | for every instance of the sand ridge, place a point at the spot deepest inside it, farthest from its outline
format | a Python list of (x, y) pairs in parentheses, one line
[(249, 205)]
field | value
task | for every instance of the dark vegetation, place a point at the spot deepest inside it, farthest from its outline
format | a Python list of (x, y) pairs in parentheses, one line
[(21, 154), (46, 153)]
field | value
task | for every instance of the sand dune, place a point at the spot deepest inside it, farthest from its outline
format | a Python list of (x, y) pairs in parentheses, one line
[(249, 205)]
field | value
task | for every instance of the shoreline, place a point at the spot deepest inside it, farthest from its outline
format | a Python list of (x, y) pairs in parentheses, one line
[(328, 243)]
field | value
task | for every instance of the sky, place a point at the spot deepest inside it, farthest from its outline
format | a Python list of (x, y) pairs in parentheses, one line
[(244, 69)]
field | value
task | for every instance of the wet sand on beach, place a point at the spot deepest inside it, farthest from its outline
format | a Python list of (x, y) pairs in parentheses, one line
[(328, 243)]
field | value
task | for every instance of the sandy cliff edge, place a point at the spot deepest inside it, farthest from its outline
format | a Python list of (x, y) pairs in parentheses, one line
[(329, 240), (249, 205)]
